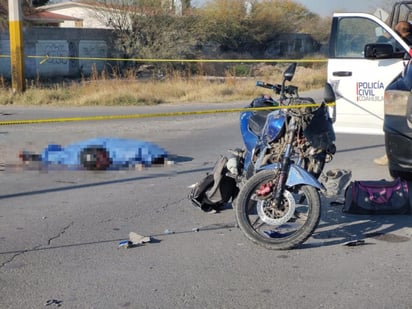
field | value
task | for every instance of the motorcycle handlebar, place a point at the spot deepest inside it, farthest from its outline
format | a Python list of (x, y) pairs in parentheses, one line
[(278, 88)]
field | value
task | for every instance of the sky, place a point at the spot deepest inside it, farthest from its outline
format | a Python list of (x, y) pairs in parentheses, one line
[(327, 7)]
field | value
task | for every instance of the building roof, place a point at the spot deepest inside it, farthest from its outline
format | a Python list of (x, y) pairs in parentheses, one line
[(73, 4), (49, 17), (66, 4)]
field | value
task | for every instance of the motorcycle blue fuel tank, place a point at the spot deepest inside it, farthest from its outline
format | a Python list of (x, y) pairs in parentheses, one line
[(273, 126), (271, 130)]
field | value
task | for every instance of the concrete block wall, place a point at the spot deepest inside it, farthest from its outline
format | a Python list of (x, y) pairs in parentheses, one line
[(75, 43)]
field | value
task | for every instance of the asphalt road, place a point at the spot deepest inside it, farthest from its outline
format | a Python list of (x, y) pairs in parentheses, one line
[(60, 229)]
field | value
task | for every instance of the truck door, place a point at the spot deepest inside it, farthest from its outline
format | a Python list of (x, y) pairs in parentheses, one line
[(360, 82)]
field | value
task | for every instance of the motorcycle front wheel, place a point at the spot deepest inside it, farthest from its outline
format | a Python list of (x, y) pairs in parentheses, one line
[(277, 227)]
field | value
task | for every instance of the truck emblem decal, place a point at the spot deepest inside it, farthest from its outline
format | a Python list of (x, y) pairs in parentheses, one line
[(366, 91)]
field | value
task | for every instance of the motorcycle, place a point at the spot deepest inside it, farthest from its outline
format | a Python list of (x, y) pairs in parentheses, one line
[(263, 133), (278, 205)]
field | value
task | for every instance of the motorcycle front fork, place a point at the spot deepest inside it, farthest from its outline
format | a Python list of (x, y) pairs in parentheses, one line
[(285, 164)]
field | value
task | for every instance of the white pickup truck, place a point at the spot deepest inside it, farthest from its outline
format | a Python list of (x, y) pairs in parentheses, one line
[(361, 65)]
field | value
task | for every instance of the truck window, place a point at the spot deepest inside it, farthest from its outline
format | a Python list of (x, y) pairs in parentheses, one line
[(354, 33), (401, 11)]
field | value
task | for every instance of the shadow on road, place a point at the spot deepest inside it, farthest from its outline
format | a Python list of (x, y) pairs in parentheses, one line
[(360, 148), (338, 228), (103, 183)]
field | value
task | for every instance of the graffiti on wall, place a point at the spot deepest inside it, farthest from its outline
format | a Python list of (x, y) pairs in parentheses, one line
[(52, 66), (68, 52), (93, 50)]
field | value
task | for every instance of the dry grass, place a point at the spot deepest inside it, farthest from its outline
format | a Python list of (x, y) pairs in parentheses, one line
[(104, 91)]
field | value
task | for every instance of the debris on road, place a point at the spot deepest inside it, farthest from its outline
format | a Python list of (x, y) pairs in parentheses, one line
[(53, 302), (355, 243), (134, 240), (137, 239)]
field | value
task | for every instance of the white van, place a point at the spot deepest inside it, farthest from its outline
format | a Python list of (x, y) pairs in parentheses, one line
[(365, 55)]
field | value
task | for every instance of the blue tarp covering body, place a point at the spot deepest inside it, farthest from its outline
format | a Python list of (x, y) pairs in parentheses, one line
[(123, 152)]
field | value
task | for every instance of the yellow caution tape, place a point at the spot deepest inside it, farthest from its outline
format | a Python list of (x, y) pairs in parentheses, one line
[(131, 116), (134, 116), (44, 59)]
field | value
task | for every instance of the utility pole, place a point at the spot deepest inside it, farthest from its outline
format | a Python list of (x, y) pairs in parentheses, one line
[(16, 46)]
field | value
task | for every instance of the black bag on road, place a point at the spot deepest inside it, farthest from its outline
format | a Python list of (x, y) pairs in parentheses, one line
[(215, 189)]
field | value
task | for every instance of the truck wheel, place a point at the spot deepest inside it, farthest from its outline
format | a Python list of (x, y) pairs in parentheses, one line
[(95, 158)]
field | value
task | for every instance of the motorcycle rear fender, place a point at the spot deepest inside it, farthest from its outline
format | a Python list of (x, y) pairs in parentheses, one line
[(297, 176)]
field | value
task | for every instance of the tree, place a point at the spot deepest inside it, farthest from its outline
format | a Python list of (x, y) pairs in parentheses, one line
[(224, 21), (4, 17), (158, 33), (150, 28), (278, 16), (235, 26), (319, 28)]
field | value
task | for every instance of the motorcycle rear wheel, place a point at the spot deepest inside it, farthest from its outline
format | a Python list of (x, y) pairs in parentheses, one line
[(272, 227)]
